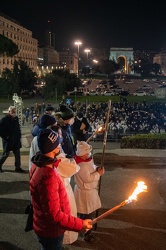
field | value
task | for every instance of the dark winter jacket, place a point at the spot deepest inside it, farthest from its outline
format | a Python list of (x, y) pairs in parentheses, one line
[(50, 201), (67, 144), (10, 132), (77, 132)]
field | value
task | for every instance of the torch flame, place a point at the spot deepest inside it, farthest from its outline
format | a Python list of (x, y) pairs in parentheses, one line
[(100, 129), (141, 187)]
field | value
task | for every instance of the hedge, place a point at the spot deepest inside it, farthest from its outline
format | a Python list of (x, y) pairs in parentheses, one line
[(148, 141)]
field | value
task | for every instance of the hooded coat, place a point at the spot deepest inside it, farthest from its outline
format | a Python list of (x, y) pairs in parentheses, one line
[(52, 216), (86, 186)]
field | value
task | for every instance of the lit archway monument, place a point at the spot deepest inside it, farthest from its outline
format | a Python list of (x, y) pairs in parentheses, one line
[(123, 54)]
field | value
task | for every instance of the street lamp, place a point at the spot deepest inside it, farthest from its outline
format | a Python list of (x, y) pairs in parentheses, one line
[(87, 51), (78, 43), (95, 61)]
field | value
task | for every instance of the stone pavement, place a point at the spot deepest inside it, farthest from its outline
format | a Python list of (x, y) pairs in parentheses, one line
[(140, 225)]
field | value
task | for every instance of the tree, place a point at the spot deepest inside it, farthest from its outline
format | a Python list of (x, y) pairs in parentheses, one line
[(70, 80), (156, 69), (7, 46), (58, 82), (53, 86), (108, 66), (17, 80), (24, 76), (8, 84)]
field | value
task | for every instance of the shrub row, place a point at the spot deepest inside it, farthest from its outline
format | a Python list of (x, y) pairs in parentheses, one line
[(148, 141)]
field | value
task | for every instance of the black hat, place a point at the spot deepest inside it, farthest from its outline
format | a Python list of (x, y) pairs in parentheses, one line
[(80, 115), (66, 113), (47, 120), (47, 140), (50, 108)]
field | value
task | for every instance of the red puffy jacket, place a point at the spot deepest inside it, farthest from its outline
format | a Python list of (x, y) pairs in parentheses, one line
[(51, 205)]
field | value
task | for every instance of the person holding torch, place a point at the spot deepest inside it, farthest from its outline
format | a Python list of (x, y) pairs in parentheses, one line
[(86, 185)]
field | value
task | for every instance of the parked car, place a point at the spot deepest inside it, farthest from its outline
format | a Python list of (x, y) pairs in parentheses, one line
[(93, 92), (140, 93), (146, 80), (124, 93), (128, 81), (144, 87), (108, 93), (111, 82), (117, 90), (77, 93), (27, 93)]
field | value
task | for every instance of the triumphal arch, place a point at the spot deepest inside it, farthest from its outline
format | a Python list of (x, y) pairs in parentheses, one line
[(123, 56)]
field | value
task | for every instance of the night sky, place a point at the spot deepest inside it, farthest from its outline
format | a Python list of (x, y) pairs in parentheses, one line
[(98, 24)]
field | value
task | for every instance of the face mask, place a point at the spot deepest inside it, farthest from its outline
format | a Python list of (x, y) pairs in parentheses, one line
[(13, 114), (60, 140), (90, 155)]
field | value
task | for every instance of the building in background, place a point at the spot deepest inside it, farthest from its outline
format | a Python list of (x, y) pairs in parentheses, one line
[(69, 60), (48, 60), (41, 59), (160, 58), (22, 37)]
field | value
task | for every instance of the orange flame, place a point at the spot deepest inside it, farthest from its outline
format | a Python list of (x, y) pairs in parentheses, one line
[(141, 187), (100, 129)]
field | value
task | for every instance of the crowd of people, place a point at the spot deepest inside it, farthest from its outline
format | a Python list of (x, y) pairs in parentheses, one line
[(125, 117)]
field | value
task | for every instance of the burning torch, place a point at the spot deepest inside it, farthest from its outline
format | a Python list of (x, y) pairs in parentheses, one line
[(141, 187), (97, 131), (104, 148)]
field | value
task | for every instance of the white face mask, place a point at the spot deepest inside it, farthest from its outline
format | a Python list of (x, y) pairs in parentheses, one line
[(13, 114), (90, 155)]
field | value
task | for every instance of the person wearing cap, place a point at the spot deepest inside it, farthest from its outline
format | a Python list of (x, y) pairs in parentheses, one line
[(49, 110), (66, 168), (45, 121), (51, 209), (80, 128), (86, 185), (11, 138), (65, 118)]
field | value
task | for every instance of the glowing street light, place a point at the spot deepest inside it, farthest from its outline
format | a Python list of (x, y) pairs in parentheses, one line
[(95, 61), (78, 43), (87, 51), (95, 65)]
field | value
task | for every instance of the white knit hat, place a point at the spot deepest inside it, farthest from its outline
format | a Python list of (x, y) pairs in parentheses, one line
[(83, 148), (11, 108)]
